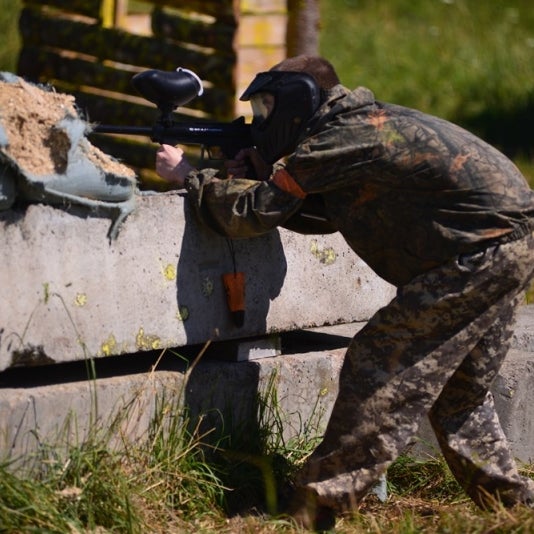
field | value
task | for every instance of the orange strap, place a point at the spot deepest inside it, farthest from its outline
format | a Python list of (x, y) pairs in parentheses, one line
[(282, 179)]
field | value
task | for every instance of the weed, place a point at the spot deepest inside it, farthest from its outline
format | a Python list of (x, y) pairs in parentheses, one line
[(427, 479)]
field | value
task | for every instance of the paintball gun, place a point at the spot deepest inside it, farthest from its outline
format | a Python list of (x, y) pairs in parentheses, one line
[(172, 89), (169, 90)]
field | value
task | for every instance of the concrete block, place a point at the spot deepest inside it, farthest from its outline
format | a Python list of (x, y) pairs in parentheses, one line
[(523, 338), (300, 387), (70, 294), (263, 347), (63, 415), (514, 402)]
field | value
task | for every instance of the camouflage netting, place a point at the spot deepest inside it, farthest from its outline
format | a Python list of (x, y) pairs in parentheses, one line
[(45, 155)]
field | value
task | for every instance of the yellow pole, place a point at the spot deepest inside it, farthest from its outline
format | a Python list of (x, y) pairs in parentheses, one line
[(107, 13), (112, 13)]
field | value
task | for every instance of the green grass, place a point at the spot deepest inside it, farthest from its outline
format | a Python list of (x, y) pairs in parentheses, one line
[(10, 43), (177, 479), (467, 61), (454, 58)]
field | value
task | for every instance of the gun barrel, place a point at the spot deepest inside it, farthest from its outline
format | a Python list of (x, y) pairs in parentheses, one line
[(228, 137), (125, 130)]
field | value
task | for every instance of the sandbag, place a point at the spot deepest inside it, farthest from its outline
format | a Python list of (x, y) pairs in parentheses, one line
[(45, 155)]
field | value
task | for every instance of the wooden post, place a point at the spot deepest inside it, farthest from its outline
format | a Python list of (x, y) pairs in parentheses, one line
[(107, 13), (303, 27), (260, 42), (121, 10)]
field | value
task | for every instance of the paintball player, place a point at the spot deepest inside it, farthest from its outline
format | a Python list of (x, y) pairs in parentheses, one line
[(430, 208)]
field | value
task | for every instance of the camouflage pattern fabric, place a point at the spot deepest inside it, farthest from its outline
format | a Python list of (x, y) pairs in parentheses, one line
[(435, 348), (408, 191), (448, 220)]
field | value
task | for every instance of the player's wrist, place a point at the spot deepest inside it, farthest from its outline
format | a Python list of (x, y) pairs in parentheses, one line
[(181, 171)]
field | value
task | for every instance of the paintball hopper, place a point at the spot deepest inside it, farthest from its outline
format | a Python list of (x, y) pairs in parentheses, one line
[(168, 89)]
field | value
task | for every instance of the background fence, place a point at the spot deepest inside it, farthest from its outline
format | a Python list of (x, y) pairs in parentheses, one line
[(92, 48)]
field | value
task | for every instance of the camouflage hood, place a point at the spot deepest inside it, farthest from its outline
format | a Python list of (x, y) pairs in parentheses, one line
[(339, 100)]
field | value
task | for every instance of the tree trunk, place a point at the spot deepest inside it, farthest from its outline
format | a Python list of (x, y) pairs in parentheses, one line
[(303, 27)]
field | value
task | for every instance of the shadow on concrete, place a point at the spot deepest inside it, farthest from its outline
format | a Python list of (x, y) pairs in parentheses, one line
[(204, 257), (99, 368), (302, 341), (225, 405), (216, 367)]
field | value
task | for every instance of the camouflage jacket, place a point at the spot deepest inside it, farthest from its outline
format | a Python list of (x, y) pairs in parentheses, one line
[(408, 191)]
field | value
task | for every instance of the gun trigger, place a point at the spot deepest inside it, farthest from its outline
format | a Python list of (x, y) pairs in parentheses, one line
[(215, 152)]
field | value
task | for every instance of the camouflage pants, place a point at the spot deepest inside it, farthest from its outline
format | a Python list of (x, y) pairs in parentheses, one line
[(434, 349)]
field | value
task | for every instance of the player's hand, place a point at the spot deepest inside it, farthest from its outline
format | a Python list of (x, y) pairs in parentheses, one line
[(172, 165), (244, 160)]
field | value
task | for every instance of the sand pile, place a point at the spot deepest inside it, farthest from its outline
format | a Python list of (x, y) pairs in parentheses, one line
[(46, 157)]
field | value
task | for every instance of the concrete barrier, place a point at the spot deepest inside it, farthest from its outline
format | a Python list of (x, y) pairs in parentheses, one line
[(69, 294), (41, 408)]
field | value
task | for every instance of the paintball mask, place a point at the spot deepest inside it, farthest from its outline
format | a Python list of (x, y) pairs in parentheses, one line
[(282, 104)]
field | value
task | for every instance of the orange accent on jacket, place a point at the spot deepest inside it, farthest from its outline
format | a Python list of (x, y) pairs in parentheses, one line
[(282, 179)]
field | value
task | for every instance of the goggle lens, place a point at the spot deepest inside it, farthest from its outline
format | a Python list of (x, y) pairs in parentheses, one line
[(262, 105)]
